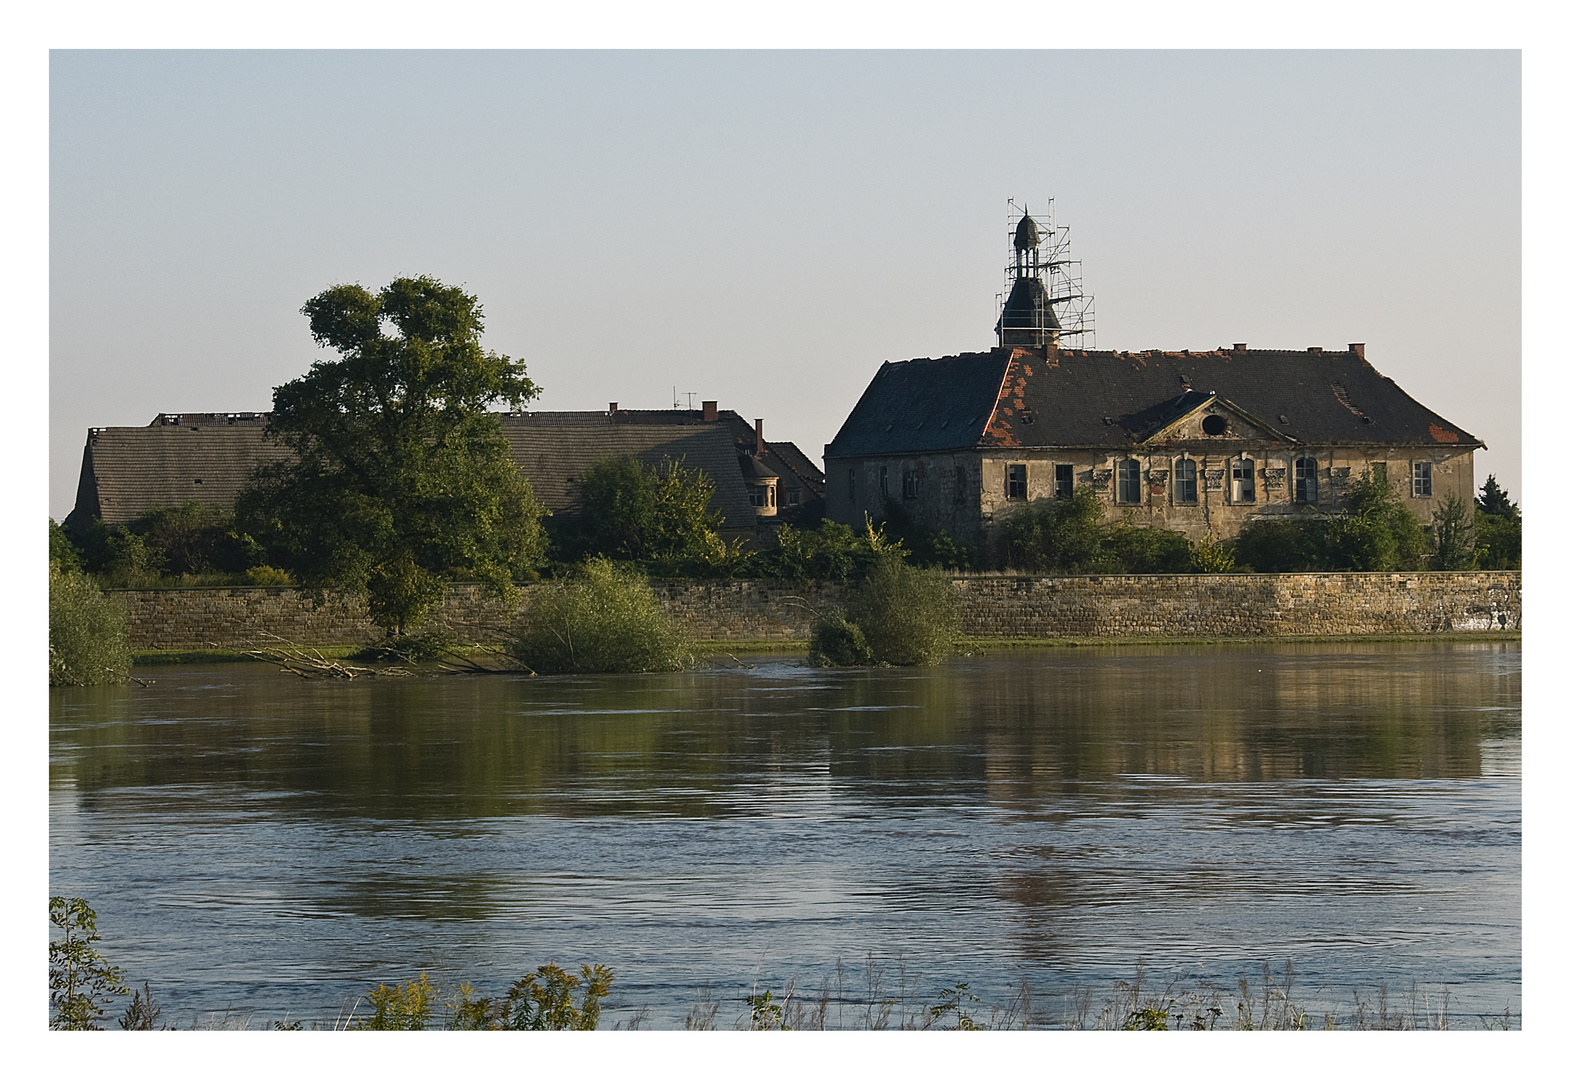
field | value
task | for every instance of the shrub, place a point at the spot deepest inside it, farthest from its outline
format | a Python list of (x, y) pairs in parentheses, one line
[(269, 575), (603, 618), (405, 1007), (1497, 525), (924, 546), (657, 516), (1058, 535), (88, 642), (838, 643), (543, 999), (1279, 546), (80, 979), (830, 552), (907, 614), (1376, 530), (1141, 549), (1210, 557), (62, 552), (1453, 534)]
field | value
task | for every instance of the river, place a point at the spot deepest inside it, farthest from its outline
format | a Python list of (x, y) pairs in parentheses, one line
[(259, 846)]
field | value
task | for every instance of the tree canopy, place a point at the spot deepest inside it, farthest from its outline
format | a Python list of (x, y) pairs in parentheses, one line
[(401, 478), (661, 516)]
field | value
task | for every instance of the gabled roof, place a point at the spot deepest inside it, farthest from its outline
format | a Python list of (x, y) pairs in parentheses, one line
[(207, 457), (556, 449), (1034, 397)]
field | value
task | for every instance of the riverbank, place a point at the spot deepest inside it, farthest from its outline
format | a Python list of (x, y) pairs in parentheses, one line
[(752, 614)]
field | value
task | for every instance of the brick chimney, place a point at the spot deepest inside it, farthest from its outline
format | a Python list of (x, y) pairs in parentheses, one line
[(613, 408), (1356, 348), (758, 430), (711, 411), (1240, 346)]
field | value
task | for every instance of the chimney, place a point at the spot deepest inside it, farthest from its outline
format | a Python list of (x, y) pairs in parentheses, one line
[(758, 430), (613, 408), (711, 411), (1357, 349), (1240, 346), (1316, 350)]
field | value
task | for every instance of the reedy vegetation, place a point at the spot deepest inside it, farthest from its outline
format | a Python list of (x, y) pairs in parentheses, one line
[(878, 996), (602, 618)]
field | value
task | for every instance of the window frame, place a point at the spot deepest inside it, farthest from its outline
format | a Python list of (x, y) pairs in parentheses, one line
[(1422, 475), (1063, 481), (883, 481), (1306, 484), (1126, 471), (910, 487), (1016, 481), (1235, 482), (1180, 480)]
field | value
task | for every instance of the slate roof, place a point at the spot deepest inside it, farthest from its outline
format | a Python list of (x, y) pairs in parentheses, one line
[(555, 449), (179, 458), (782, 457), (207, 457), (1010, 397)]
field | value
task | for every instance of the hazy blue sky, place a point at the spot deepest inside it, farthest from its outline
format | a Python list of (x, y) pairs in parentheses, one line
[(765, 228)]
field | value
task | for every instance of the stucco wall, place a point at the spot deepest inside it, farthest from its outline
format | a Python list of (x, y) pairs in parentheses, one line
[(994, 606)]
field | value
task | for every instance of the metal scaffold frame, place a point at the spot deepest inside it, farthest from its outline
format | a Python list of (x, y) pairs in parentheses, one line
[(1074, 309)]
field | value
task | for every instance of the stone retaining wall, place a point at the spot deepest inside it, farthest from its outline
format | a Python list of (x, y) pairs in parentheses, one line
[(1192, 605)]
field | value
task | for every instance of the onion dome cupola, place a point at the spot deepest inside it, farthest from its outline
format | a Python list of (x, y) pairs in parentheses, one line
[(1027, 317)]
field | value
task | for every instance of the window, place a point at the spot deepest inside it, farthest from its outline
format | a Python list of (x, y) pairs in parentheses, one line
[(1243, 481), (960, 483), (1214, 425), (851, 485), (1422, 488), (908, 486), (1017, 482), (883, 480), (1063, 481), (1306, 480), (1186, 488), (1129, 481), (794, 497)]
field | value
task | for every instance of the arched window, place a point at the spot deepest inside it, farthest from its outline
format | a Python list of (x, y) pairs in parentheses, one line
[(1306, 480), (1129, 481), (1186, 488), (1243, 481)]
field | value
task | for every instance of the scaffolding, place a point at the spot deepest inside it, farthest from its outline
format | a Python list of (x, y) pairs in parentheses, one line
[(1074, 310)]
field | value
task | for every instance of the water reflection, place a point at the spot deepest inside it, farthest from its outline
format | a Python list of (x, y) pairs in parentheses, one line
[(1056, 811)]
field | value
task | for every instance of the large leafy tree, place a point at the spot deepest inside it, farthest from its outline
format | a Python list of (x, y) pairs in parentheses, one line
[(401, 478)]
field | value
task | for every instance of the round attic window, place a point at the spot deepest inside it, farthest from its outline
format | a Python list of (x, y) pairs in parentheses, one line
[(1214, 424)]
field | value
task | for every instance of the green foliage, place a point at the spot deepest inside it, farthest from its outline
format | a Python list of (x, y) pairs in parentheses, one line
[(80, 979), (767, 1014), (62, 553), (924, 546), (660, 517), (905, 615), (1280, 546), (1146, 1019), (1058, 536), (405, 1007), (829, 552), (603, 618), (956, 1002), (1139, 549), (1497, 525), (838, 643), (543, 999), (268, 575), (186, 542), (1453, 533), (401, 480), (1207, 556), (88, 642), (143, 1013), (1375, 530)]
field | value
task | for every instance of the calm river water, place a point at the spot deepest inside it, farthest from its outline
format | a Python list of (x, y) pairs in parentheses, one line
[(257, 842)]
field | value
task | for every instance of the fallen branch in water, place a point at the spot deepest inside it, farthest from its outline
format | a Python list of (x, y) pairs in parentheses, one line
[(306, 662)]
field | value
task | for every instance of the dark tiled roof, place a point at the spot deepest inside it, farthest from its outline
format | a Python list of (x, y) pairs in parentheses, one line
[(924, 405), (555, 449), (128, 471), (1110, 399), (788, 455), (197, 457)]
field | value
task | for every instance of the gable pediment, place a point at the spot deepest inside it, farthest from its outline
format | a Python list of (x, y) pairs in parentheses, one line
[(1201, 418)]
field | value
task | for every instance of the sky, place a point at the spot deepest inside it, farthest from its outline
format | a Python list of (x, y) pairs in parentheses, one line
[(765, 228)]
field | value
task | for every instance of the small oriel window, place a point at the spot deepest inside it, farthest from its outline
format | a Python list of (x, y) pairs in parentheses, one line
[(1017, 481), (1243, 481), (1063, 481), (1129, 481), (1306, 480), (1422, 486), (1186, 488)]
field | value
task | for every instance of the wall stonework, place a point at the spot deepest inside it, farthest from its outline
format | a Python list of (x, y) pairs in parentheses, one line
[(1183, 605)]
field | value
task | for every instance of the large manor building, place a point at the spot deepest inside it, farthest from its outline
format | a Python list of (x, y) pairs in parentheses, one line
[(1200, 442)]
